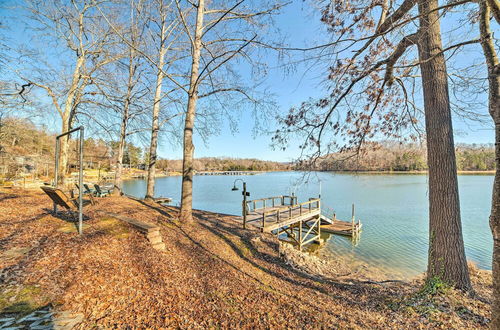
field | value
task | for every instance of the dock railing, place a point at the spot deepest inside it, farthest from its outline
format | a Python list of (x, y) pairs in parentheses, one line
[(282, 213), (268, 202)]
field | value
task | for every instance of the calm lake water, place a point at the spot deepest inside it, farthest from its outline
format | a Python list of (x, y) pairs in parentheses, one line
[(392, 208)]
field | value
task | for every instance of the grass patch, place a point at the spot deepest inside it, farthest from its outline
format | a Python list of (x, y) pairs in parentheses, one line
[(435, 286), (26, 300), (114, 227), (71, 227)]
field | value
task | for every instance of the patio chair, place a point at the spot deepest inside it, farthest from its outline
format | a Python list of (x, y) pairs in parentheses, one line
[(101, 192), (87, 190)]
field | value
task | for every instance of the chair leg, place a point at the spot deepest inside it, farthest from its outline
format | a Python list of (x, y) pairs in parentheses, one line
[(75, 219)]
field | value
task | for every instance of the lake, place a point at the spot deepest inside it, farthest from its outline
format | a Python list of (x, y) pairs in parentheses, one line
[(392, 208)]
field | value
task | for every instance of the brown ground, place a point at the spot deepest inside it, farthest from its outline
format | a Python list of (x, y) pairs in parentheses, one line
[(212, 274)]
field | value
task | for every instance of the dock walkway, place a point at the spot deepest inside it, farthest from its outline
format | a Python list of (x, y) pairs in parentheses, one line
[(302, 222)]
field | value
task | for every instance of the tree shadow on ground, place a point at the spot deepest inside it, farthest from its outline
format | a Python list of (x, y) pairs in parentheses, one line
[(272, 264)]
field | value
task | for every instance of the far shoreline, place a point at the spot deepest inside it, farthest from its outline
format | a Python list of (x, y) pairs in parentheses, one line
[(352, 172)]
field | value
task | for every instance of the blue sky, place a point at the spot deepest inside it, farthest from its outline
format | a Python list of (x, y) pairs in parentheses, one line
[(300, 23)]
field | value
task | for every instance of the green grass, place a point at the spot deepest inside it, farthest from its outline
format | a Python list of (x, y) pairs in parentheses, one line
[(435, 286), (28, 299)]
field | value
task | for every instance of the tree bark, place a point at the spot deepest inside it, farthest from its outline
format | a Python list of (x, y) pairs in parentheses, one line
[(67, 118), (63, 151), (495, 216), (446, 259), (155, 126), (493, 66), (186, 214)]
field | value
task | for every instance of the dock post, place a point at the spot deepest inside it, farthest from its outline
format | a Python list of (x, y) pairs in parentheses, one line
[(263, 220), (300, 235), (352, 219), (244, 205), (319, 227)]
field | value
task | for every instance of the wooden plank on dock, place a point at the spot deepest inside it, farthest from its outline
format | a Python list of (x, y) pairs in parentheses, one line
[(272, 226), (342, 228)]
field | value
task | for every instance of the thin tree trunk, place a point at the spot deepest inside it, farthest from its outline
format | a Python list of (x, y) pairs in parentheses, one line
[(188, 151), (155, 126), (123, 126), (493, 65), (495, 217), (446, 260)]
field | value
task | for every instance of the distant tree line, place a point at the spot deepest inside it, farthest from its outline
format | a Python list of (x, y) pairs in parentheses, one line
[(406, 157), (225, 164), (26, 148)]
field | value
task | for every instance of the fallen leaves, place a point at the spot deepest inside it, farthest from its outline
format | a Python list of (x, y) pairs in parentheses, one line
[(212, 274)]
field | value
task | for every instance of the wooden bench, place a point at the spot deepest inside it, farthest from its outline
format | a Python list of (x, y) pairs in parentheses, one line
[(152, 232)]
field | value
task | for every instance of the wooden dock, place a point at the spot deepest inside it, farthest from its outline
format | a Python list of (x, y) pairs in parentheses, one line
[(162, 200), (301, 222), (228, 172), (339, 227), (283, 215)]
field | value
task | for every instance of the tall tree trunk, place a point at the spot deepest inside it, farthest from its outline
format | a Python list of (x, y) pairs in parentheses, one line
[(123, 126), (155, 126), (188, 151), (446, 259), (63, 151), (493, 66), (69, 106)]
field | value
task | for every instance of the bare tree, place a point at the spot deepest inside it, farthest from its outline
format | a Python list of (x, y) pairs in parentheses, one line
[(131, 101), (219, 32), (75, 30), (167, 26), (373, 78)]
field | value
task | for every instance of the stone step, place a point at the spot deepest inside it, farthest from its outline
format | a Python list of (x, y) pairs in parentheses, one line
[(159, 246), (155, 240), (153, 235)]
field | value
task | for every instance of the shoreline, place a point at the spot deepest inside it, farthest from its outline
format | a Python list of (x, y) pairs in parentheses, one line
[(488, 172)]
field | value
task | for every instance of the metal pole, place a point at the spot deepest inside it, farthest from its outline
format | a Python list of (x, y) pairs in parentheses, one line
[(244, 205), (56, 170), (80, 182)]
